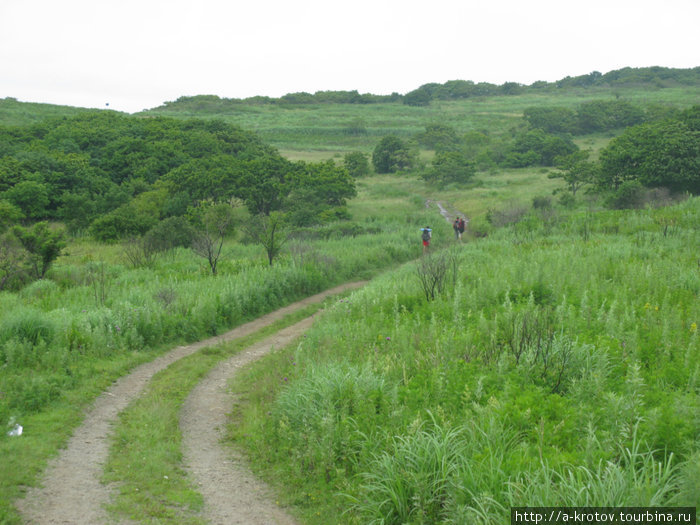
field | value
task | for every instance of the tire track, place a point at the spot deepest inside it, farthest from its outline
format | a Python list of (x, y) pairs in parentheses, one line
[(232, 495), (71, 491)]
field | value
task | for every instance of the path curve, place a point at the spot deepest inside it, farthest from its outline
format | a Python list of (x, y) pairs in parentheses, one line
[(232, 495), (71, 492)]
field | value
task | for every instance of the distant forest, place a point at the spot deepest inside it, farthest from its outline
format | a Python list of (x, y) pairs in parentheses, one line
[(656, 77)]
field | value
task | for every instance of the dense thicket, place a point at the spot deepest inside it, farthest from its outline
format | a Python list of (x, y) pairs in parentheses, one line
[(589, 117), (120, 175)]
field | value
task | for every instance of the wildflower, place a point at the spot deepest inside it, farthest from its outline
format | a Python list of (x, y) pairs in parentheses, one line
[(388, 338), (647, 306), (694, 327), (285, 379)]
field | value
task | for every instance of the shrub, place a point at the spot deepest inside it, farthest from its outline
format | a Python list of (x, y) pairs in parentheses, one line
[(356, 163), (437, 271), (630, 194), (506, 216), (542, 202), (14, 262), (170, 233), (122, 222)]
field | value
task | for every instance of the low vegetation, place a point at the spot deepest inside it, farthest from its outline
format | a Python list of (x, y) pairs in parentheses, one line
[(559, 368), (549, 359)]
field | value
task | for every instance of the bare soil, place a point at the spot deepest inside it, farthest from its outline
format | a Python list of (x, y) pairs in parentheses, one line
[(231, 494), (71, 491)]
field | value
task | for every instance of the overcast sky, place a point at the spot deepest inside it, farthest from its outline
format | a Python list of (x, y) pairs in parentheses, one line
[(137, 54)]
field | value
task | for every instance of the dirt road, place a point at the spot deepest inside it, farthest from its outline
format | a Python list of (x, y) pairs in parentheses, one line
[(71, 492), (231, 494)]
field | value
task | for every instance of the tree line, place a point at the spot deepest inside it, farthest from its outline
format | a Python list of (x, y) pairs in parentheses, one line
[(157, 179), (654, 77), (654, 149), (139, 170)]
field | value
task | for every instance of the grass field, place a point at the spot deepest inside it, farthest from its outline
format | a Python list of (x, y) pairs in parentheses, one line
[(307, 132), (558, 365), (64, 339)]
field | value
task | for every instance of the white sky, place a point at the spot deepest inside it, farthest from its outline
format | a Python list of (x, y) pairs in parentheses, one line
[(137, 54)]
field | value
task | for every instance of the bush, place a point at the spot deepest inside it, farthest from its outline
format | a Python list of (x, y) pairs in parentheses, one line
[(567, 200), (629, 195), (506, 216), (356, 163), (542, 203), (14, 263), (122, 222), (170, 233)]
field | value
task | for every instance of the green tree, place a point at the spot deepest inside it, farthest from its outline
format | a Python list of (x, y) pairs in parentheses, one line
[(262, 184), (332, 184), (43, 245), (535, 147), (577, 171), (439, 137), (214, 223), (552, 119), (391, 155), (357, 164), (450, 166), (9, 215), (660, 154), (604, 115), (126, 221), (14, 262), (314, 190), (76, 210), (417, 97), (31, 197), (269, 231)]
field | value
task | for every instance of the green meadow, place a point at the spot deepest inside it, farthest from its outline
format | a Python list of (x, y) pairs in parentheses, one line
[(560, 365), (323, 130), (550, 358)]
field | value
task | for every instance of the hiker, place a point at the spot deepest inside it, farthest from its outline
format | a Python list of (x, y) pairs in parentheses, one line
[(460, 227), (426, 236), (455, 227)]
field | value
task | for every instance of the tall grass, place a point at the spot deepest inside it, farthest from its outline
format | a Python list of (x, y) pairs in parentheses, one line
[(64, 340), (562, 368)]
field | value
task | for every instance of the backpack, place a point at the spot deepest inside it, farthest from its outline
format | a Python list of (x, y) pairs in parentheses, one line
[(426, 235)]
